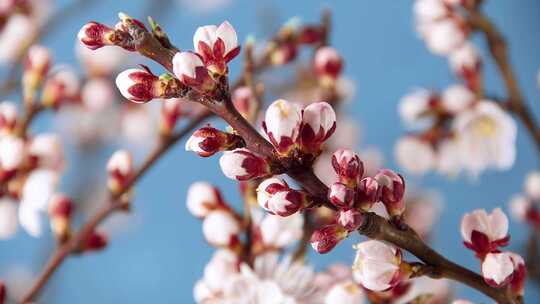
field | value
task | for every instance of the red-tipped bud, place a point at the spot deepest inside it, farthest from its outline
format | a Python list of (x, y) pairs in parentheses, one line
[(95, 241), (328, 64), (318, 124), (392, 190), (350, 219), (275, 196), (367, 193), (138, 85), (245, 102), (94, 35), (217, 45), (348, 166), (520, 274), (202, 198), (8, 116), (120, 169), (190, 70), (60, 209), (62, 86), (171, 110), (483, 232), (242, 164), (207, 141), (325, 239), (221, 228), (282, 125), (341, 196)]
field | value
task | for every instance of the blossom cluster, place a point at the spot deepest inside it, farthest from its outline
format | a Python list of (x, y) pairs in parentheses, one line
[(484, 234), (456, 129)]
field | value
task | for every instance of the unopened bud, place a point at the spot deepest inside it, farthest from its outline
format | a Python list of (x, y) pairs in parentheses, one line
[(95, 241), (350, 219), (348, 166), (207, 141), (60, 209), (95, 35), (120, 169), (325, 239), (242, 164)]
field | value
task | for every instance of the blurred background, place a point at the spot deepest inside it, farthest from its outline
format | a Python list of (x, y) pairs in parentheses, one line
[(157, 252)]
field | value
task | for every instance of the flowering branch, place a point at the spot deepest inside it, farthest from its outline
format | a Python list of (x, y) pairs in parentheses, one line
[(115, 203), (499, 50)]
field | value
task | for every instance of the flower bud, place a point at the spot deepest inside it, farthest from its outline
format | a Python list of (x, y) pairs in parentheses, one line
[(64, 85), (457, 98), (47, 151), (221, 228), (519, 275), (350, 219), (346, 292), (318, 124), (377, 266), (532, 185), (328, 64), (348, 166), (171, 109), (341, 196), (245, 102), (95, 241), (8, 116), (282, 125), (138, 85), (283, 53), (216, 45), (520, 207), (190, 70), (60, 209), (11, 155), (483, 232), (367, 193), (392, 190), (414, 105), (242, 164), (120, 169), (94, 35), (429, 10), (497, 268), (465, 62), (202, 198), (444, 36), (36, 66), (326, 238), (207, 141), (275, 196)]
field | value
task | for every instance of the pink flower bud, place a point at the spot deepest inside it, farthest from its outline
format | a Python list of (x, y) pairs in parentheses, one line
[(216, 45), (8, 116), (95, 241), (326, 238), (245, 102), (275, 196), (465, 62), (318, 124), (377, 265), (392, 190), (497, 268), (207, 141), (64, 85), (282, 125), (171, 109), (341, 196), (532, 185), (94, 35), (11, 155), (457, 98), (47, 151), (120, 169), (350, 219), (348, 166), (60, 209), (367, 193), (483, 232), (202, 198), (221, 228), (138, 85), (328, 63), (190, 70), (444, 36), (242, 164)]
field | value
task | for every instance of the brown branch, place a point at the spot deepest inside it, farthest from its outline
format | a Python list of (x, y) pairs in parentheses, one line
[(499, 51), (74, 244)]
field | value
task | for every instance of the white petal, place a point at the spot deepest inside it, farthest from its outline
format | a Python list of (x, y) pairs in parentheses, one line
[(184, 63), (206, 34), (226, 32), (8, 218)]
